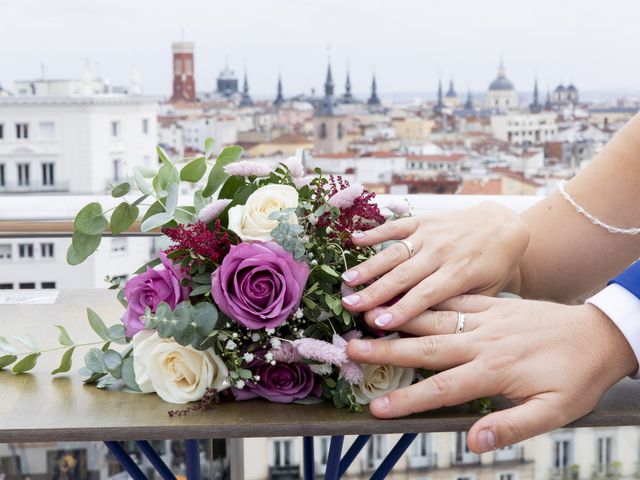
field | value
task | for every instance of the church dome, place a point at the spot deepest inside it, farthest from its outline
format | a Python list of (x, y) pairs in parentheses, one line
[(560, 88), (572, 88), (501, 82)]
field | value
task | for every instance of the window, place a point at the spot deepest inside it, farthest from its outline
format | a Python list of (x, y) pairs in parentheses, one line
[(462, 454), (47, 174), (177, 66), (604, 453), (118, 245), (420, 454), (5, 252), (6, 286), (283, 453), (340, 131), (562, 453), (117, 169), (323, 457), (1, 131), (22, 130), (2, 180), (27, 286), (375, 452), (507, 476), (115, 129), (46, 250), (188, 66), (25, 250), (24, 179), (47, 131), (145, 125), (47, 285), (323, 130)]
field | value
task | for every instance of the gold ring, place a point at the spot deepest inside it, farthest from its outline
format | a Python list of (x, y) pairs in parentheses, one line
[(408, 245), (460, 325)]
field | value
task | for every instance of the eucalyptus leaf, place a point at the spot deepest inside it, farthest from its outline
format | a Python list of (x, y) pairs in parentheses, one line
[(27, 341), (194, 170), (185, 215), (64, 337), (199, 201), (93, 378), (94, 360), (151, 263), (116, 334), (90, 220), (184, 336), (7, 360), (171, 202), (65, 362), (205, 317), (128, 374), (6, 346), (163, 156), (84, 245), (120, 190), (123, 217), (97, 324), (217, 175), (155, 221), (106, 381), (141, 182), (167, 175), (209, 144), (26, 364), (113, 362), (163, 311)]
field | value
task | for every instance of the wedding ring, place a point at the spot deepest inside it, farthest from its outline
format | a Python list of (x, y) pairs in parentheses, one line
[(408, 245), (460, 325)]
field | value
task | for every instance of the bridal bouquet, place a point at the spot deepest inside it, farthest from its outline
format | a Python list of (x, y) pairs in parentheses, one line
[(246, 300)]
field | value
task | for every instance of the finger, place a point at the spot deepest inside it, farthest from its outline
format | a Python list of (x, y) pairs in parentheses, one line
[(379, 264), (467, 303), (538, 415), (433, 290), (399, 280), (453, 387), (438, 322), (436, 352), (395, 230)]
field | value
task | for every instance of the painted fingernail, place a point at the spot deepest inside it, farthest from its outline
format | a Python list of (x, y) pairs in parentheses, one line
[(362, 346), (383, 320), (350, 275), (351, 300), (486, 440), (357, 234), (382, 403)]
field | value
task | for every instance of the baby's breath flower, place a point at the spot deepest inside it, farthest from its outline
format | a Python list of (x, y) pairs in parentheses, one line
[(248, 357), (268, 357), (298, 313), (255, 337), (240, 384), (231, 345), (275, 342), (270, 331)]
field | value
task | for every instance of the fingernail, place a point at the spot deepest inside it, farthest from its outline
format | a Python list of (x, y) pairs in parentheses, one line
[(351, 299), (350, 275), (383, 320), (486, 440), (357, 234), (382, 403), (362, 346)]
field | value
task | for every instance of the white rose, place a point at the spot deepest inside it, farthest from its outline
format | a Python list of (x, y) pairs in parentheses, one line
[(381, 379), (251, 221), (177, 374)]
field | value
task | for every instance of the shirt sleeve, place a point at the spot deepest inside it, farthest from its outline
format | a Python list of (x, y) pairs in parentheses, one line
[(623, 308)]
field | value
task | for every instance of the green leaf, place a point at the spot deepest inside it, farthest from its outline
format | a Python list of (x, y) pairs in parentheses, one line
[(139, 175), (327, 269), (199, 201), (120, 190), (205, 317), (64, 337), (106, 381), (113, 362), (128, 374), (26, 364), (200, 290), (167, 175), (116, 334), (28, 342), (93, 378), (163, 311), (123, 217), (94, 360), (7, 360), (90, 220), (143, 268), (163, 156), (194, 170), (155, 221), (217, 176), (331, 383), (6, 346), (84, 245), (97, 325), (209, 143), (171, 202), (202, 278), (246, 374), (65, 362)]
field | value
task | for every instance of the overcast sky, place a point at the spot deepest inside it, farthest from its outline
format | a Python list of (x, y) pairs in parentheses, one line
[(592, 43)]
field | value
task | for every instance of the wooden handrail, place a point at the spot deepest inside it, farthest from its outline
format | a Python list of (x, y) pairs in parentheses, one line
[(57, 228)]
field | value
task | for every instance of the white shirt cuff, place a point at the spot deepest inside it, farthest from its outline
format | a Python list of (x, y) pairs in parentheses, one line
[(623, 308)]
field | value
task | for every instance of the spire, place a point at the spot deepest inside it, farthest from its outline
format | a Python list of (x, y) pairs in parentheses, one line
[(468, 105), (548, 105), (347, 88), (535, 106), (328, 84), (245, 100), (501, 70), (452, 91), (279, 98), (373, 99), (440, 104)]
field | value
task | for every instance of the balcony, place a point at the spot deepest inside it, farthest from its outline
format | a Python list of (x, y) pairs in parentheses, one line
[(465, 459), (514, 454), (35, 186), (603, 471), (422, 462), (284, 472), (565, 473)]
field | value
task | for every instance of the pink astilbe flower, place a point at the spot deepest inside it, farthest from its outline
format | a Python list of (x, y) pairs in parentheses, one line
[(300, 182), (212, 211), (321, 351), (349, 370), (286, 352), (345, 198), (247, 168), (295, 167)]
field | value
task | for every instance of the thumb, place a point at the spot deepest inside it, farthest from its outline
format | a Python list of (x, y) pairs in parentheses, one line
[(514, 425)]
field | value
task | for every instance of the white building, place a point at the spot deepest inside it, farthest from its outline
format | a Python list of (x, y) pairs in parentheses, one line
[(524, 128), (501, 94), (222, 128)]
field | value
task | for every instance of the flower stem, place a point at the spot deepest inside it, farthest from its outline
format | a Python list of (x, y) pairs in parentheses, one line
[(64, 347)]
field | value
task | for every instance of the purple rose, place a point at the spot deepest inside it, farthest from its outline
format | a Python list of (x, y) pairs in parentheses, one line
[(149, 289), (281, 383), (259, 285)]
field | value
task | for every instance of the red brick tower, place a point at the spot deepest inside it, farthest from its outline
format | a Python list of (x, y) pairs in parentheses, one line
[(184, 86)]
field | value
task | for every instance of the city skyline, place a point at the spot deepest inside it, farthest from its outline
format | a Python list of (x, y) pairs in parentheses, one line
[(559, 42)]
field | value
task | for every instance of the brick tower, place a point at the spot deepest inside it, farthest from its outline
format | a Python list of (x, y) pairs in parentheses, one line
[(184, 86)]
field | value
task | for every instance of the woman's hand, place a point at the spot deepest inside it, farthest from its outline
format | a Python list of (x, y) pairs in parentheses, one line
[(553, 361), (475, 250)]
